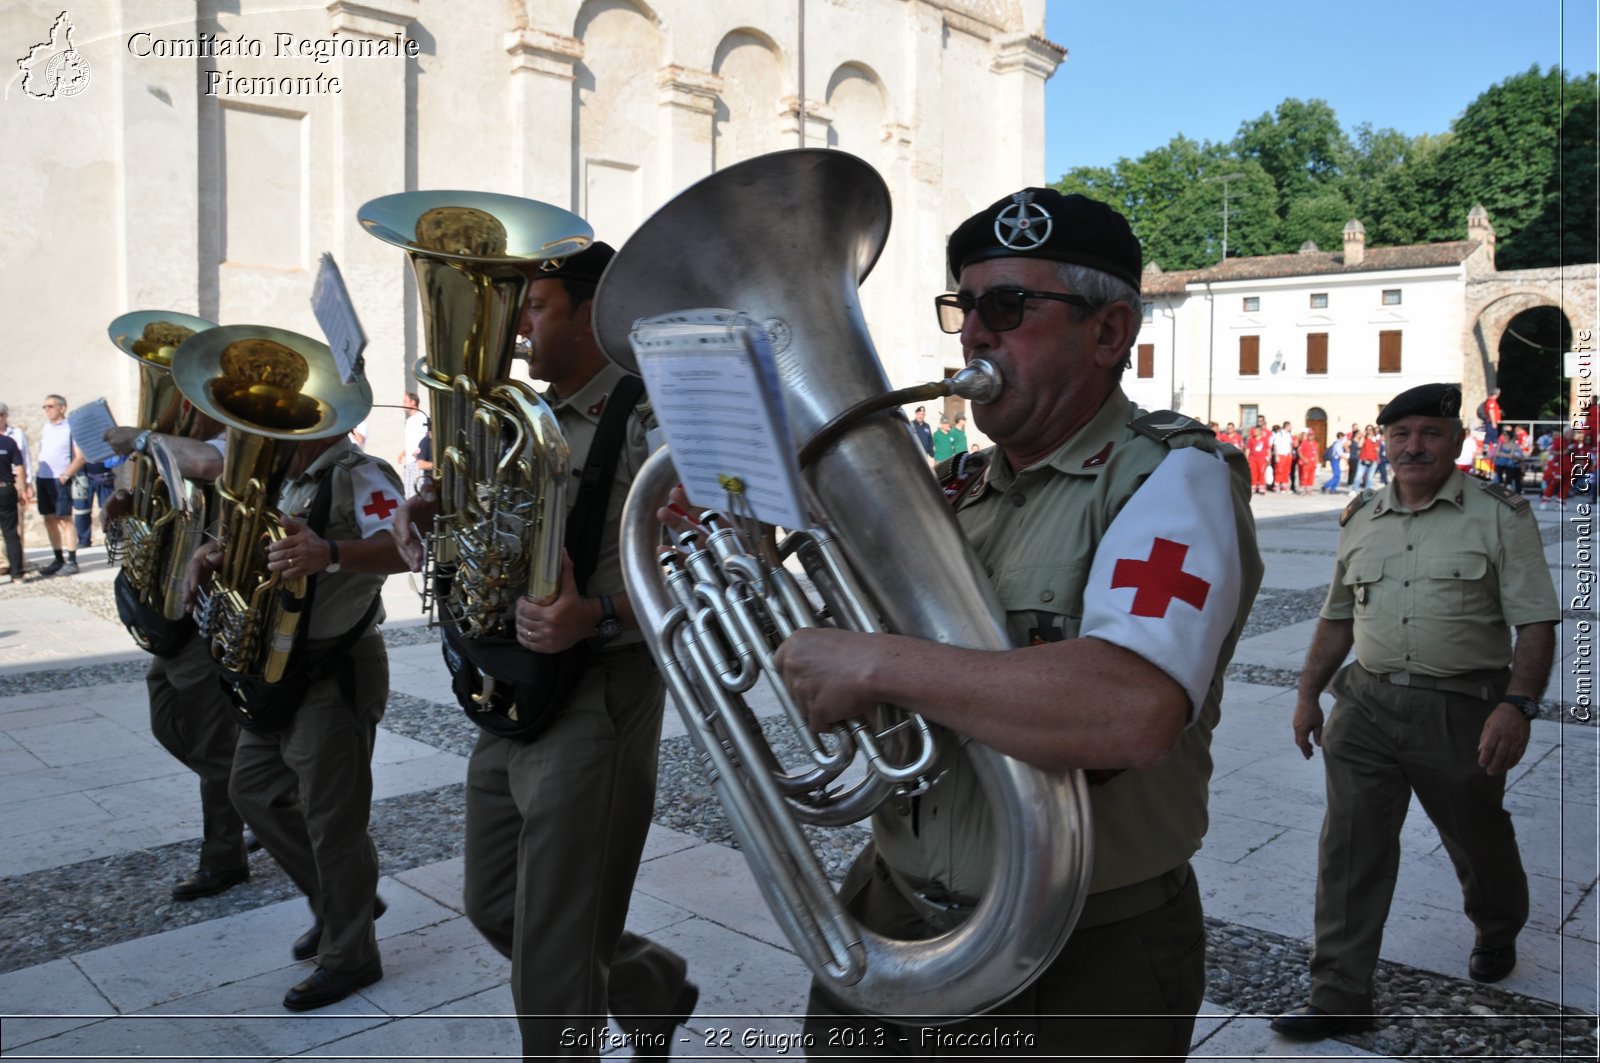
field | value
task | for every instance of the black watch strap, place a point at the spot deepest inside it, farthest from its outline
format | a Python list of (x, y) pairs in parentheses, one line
[(333, 556), (1529, 707), (609, 626)]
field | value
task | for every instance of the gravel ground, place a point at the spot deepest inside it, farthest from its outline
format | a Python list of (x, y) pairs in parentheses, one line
[(61, 911)]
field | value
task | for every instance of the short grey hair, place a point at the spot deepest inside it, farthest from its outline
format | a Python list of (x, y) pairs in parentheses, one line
[(5, 411), (1101, 289)]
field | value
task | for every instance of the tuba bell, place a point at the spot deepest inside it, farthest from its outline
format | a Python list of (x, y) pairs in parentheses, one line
[(500, 460), (748, 225), (272, 389), (153, 542)]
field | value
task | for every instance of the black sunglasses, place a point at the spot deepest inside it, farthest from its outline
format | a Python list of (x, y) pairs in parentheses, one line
[(1000, 309)]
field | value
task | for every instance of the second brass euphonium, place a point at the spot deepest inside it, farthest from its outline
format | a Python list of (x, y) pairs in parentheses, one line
[(154, 542), (734, 240), (500, 460), (272, 389)]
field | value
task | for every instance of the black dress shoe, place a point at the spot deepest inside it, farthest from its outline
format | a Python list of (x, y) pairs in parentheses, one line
[(326, 987), (205, 882), (306, 945), (657, 1032), (1310, 1023), (1491, 965)]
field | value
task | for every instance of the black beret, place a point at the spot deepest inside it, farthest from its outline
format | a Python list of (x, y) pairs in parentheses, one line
[(1043, 223), (1424, 400), (586, 265)]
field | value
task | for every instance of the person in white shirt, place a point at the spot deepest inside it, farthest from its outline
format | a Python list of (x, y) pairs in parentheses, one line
[(59, 461), (416, 428)]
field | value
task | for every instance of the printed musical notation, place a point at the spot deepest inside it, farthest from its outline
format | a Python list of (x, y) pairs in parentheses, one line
[(714, 386)]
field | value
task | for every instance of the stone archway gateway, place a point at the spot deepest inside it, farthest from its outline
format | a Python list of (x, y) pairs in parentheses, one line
[(1494, 300)]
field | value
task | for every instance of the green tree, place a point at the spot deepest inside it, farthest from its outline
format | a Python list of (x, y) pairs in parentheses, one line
[(1304, 150)]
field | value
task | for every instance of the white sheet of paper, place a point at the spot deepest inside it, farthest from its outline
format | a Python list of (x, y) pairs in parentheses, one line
[(89, 424), (714, 387), (330, 302)]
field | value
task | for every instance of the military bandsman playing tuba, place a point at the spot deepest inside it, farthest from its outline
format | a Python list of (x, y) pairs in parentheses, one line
[(302, 776), (1123, 551), (556, 826), (189, 712)]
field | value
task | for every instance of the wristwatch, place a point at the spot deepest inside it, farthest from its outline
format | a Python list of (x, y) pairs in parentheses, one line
[(333, 556), (609, 626), (141, 443), (1529, 707)]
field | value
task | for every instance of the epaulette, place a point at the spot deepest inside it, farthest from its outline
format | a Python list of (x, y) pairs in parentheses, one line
[(1162, 425), (1355, 504), (961, 475), (1504, 494)]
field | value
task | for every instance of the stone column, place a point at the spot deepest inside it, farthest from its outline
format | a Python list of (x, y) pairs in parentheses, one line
[(688, 114), (372, 120), (1024, 63), (159, 266), (542, 79)]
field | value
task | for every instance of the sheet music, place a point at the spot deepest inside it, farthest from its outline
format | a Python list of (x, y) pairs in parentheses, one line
[(330, 302), (714, 386), (90, 423)]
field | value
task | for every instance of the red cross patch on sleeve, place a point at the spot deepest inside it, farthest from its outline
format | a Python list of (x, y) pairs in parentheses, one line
[(1166, 576), (375, 498)]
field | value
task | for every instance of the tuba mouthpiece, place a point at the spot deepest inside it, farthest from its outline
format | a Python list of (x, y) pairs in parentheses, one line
[(980, 381)]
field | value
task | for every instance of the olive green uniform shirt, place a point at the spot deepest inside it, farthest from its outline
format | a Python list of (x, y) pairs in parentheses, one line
[(342, 597), (579, 418), (1436, 591), (1036, 532)]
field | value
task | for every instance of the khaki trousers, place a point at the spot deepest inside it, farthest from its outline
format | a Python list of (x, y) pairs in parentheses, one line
[(1129, 989), (1381, 744), (307, 793), (555, 830), (190, 717)]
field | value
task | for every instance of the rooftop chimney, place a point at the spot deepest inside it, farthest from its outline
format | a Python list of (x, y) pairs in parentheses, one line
[(1355, 242), (1478, 227), (1309, 248)]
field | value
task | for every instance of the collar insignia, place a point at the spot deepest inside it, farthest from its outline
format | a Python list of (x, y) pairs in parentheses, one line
[(594, 411), (1023, 226), (1099, 459)]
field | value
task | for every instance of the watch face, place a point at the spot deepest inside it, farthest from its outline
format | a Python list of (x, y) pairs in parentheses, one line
[(609, 628)]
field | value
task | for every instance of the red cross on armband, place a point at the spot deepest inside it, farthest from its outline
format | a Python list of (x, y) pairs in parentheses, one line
[(1160, 579), (380, 506)]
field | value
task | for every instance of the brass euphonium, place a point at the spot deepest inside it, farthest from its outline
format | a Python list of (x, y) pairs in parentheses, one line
[(272, 389), (500, 460), (712, 619), (154, 542)]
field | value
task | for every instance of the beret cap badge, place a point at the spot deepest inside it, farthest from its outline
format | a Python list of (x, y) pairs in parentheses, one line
[(1024, 225)]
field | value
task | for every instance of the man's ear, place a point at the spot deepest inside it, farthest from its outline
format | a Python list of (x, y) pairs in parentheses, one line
[(1117, 329)]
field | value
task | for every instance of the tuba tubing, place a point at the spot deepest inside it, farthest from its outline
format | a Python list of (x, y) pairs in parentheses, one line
[(1039, 821)]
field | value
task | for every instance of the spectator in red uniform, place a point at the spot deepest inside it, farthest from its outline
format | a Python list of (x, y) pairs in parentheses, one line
[(1256, 450), (1309, 457)]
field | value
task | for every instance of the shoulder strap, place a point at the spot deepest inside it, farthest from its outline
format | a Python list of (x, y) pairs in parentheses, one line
[(1502, 493), (1355, 505), (586, 523), (1162, 425)]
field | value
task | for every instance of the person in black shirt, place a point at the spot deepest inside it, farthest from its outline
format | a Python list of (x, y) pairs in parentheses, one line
[(13, 486)]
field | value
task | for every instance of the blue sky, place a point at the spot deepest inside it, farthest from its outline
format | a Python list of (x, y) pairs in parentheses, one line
[(1138, 74)]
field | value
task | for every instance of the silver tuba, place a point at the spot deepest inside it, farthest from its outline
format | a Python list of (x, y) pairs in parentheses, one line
[(748, 227)]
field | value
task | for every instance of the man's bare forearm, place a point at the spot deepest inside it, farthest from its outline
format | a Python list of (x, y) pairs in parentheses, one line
[(1530, 663), (1329, 646)]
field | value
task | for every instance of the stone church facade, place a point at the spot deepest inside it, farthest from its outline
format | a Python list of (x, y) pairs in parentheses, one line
[(209, 151)]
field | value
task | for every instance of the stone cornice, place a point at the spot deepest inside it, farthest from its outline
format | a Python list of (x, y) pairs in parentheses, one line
[(542, 52), (372, 18), (693, 90), (1025, 52)]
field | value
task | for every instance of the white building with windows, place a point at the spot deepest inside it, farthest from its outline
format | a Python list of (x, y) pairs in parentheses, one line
[(1316, 338)]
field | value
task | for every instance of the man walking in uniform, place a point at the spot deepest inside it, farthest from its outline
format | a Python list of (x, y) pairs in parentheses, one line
[(306, 789), (1100, 526), (1433, 575), (189, 711), (556, 826)]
